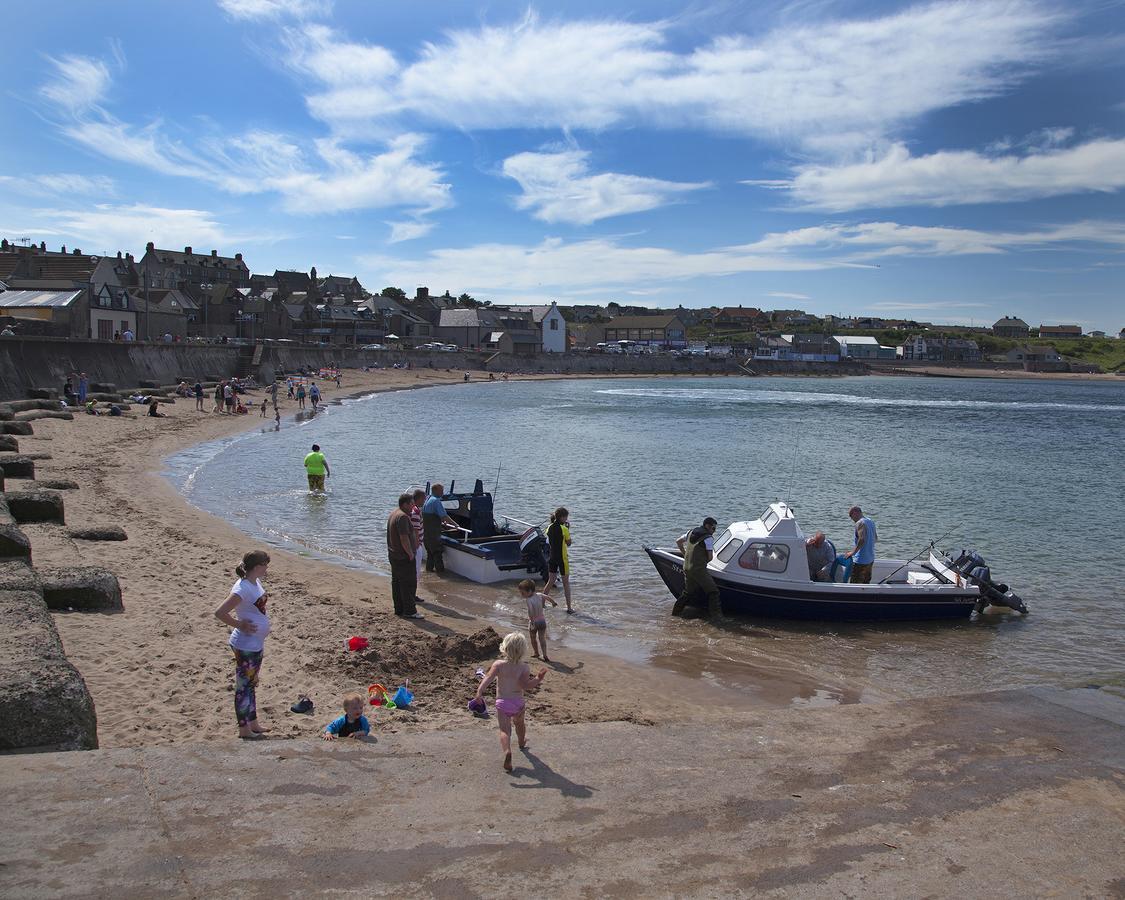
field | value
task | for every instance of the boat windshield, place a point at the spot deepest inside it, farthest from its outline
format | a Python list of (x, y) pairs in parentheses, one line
[(721, 540), (770, 519)]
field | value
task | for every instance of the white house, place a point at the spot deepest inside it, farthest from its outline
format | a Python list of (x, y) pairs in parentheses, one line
[(550, 323)]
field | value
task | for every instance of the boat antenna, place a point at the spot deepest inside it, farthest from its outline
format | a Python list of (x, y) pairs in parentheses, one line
[(793, 470), (931, 545), (496, 487)]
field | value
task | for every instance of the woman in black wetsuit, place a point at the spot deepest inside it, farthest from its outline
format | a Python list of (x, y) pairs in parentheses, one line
[(558, 561)]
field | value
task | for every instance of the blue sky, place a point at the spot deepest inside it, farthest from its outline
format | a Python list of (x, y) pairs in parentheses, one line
[(948, 161)]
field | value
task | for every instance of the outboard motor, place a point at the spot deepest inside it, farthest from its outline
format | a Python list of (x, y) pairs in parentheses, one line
[(972, 567), (533, 551)]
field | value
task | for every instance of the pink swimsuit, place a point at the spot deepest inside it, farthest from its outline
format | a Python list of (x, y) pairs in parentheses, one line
[(510, 706)]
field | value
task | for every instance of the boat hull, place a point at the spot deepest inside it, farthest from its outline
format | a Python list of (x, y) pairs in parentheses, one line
[(830, 603)]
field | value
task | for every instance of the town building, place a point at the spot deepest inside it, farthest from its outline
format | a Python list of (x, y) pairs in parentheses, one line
[(54, 313), (941, 349), (168, 269), (1010, 327), (481, 328), (550, 324), (863, 347), (1033, 355), (1060, 331), (745, 318), (648, 330)]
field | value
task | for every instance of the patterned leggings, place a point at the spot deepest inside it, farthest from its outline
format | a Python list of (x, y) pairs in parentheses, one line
[(247, 664)]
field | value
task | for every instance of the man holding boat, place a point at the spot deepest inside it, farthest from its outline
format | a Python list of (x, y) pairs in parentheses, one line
[(434, 517), (698, 548)]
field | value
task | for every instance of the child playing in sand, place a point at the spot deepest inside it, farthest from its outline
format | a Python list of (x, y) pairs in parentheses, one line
[(353, 723), (537, 620), (512, 677)]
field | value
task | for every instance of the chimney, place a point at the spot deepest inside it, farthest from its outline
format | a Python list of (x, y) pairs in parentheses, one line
[(214, 252), (238, 256), (129, 257), (43, 246), (187, 250), (64, 248), (119, 254), (77, 252), (423, 293), (150, 247)]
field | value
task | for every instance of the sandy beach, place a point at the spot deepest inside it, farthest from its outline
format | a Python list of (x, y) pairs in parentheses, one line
[(160, 672)]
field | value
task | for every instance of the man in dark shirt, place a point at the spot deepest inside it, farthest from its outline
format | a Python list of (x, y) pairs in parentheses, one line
[(401, 547)]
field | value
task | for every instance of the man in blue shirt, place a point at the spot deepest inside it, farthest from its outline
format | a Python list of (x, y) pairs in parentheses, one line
[(434, 517), (863, 553)]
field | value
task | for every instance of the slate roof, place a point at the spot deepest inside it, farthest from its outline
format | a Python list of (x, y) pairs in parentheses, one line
[(641, 322), (538, 313), (1010, 322), (14, 299), (459, 318)]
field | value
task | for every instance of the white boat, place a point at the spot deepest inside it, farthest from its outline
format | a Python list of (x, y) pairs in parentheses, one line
[(761, 569)]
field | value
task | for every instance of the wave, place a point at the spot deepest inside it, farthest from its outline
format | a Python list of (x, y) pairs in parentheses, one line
[(820, 398)]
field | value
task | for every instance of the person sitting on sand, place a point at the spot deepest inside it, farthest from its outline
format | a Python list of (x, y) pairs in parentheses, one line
[(353, 723), (92, 408), (512, 677), (536, 618), (153, 409), (245, 612)]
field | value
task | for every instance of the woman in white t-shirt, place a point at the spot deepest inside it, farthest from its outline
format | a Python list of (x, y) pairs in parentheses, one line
[(245, 611)]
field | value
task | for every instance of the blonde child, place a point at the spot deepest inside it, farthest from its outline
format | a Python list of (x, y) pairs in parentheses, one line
[(512, 677), (353, 723), (536, 619)]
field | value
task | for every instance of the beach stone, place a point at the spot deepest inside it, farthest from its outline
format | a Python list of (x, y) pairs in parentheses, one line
[(15, 466), (32, 414), (23, 428), (24, 405), (17, 575), (59, 484), (103, 387), (13, 543), (9, 444), (44, 703), (36, 506), (6, 415), (83, 588), (43, 393), (99, 533)]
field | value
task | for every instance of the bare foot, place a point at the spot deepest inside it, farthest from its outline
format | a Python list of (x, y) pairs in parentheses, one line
[(545, 658), (524, 746), (535, 656), (258, 729), (508, 761)]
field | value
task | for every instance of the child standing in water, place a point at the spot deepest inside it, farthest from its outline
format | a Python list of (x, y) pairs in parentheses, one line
[(536, 618), (512, 677)]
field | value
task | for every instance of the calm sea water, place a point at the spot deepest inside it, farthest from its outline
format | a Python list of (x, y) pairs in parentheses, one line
[(1029, 473)]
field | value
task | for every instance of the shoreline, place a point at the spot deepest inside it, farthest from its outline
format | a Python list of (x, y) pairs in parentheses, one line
[(160, 671)]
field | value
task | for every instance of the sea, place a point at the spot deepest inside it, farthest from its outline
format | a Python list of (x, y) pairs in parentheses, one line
[(1028, 473)]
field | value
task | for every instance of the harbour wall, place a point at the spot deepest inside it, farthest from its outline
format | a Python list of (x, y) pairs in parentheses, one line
[(44, 362)]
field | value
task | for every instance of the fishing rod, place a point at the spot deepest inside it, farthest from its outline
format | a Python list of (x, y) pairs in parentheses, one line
[(929, 546)]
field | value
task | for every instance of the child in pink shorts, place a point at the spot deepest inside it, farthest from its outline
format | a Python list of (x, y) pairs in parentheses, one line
[(512, 677)]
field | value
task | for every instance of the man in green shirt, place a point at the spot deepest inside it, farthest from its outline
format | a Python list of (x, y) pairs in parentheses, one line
[(317, 467)]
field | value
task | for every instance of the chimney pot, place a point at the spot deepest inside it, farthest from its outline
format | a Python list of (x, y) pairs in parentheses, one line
[(77, 252), (64, 248), (187, 250), (238, 256), (119, 254), (150, 246), (214, 252)]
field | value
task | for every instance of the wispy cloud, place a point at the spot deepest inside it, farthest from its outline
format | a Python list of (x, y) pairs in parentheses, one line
[(958, 177), (79, 83), (785, 295), (60, 183), (274, 9), (107, 226), (558, 187), (830, 86)]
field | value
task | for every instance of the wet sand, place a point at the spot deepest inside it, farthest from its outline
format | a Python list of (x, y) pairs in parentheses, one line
[(161, 672)]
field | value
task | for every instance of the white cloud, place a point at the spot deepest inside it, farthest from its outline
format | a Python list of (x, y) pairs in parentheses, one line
[(274, 9), (785, 295), (833, 86), (408, 230), (108, 226), (59, 183), (605, 265), (79, 84), (558, 187), (958, 176)]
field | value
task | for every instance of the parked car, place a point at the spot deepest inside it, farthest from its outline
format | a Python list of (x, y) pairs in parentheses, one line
[(373, 347), (448, 348)]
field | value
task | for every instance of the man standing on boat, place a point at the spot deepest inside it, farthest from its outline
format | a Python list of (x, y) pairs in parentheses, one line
[(862, 554), (434, 517), (698, 548)]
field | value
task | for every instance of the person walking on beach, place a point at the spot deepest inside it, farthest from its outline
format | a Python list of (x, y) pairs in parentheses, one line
[(512, 676), (316, 466), (197, 391), (401, 549), (558, 559), (228, 396), (698, 548), (244, 611), (536, 617), (273, 393), (314, 395), (218, 398), (434, 519), (301, 395), (862, 554)]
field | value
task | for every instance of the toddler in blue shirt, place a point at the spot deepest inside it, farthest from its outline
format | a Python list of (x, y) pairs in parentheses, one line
[(352, 723)]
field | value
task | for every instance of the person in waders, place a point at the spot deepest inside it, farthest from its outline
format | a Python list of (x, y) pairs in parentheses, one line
[(698, 548)]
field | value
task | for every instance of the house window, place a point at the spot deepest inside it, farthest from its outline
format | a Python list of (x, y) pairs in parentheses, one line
[(554, 324), (765, 557)]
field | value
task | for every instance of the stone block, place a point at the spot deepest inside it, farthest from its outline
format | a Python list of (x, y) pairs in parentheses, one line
[(44, 703), (35, 457), (13, 542), (16, 428), (83, 588), (99, 533), (103, 387), (15, 466), (17, 575), (148, 384), (58, 484), (43, 393), (32, 414), (6, 415), (24, 405), (36, 506), (9, 444)]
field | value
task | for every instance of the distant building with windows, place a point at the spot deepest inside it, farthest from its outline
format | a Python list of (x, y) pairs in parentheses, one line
[(1010, 327), (1060, 331), (172, 269), (550, 323)]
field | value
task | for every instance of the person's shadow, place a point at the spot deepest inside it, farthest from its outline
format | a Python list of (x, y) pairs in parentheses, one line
[(546, 777)]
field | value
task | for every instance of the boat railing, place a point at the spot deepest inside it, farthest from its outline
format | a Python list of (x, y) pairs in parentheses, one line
[(519, 522)]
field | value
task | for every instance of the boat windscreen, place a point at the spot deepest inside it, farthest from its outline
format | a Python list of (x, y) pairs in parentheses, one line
[(770, 519)]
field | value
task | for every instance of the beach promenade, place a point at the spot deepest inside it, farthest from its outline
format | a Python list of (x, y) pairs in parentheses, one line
[(993, 795)]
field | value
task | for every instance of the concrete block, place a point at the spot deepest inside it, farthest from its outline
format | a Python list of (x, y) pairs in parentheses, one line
[(24, 405), (36, 506), (99, 533), (44, 703), (15, 466), (32, 414), (102, 387), (43, 393), (16, 428), (9, 444), (148, 384), (13, 542), (17, 575), (83, 588), (6, 415)]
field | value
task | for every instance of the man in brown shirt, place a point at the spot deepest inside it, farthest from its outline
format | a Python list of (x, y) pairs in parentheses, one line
[(402, 545)]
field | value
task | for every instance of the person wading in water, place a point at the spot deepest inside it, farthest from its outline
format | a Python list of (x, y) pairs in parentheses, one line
[(698, 548)]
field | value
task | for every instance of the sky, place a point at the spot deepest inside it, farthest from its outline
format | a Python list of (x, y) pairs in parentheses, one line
[(952, 162)]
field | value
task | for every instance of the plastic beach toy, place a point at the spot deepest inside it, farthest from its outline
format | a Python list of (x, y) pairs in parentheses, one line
[(357, 643), (478, 707), (378, 696), (402, 697)]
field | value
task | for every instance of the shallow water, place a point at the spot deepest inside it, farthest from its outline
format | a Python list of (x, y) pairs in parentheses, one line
[(1029, 473)]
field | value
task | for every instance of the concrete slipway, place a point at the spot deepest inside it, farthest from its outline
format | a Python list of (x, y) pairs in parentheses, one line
[(1005, 794)]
